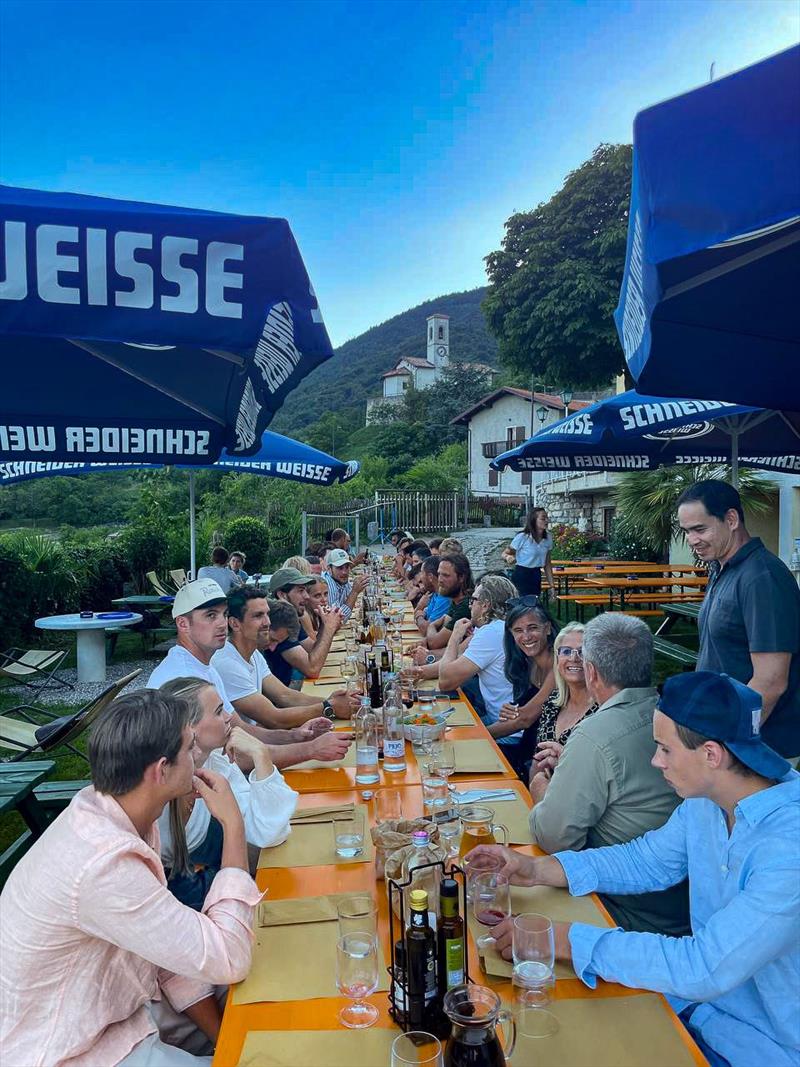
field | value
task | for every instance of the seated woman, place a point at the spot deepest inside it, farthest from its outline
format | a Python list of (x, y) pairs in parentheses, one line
[(528, 645), (191, 839), (568, 704), (315, 608)]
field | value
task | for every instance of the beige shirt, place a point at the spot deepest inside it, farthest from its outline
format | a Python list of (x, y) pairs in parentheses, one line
[(90, 935), (605, 791)]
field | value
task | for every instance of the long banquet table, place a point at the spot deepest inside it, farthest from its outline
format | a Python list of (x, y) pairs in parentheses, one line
[(306, 1032)]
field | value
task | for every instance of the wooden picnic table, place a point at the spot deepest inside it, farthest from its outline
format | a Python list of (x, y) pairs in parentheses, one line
[(674, 612), (612, 568), (315, 1021), (621, 584), (17, 783)]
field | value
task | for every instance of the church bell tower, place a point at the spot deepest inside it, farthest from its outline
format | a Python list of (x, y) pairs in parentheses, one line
[(439, 340)]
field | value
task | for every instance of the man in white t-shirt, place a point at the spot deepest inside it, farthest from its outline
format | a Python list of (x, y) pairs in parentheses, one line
[(254, 691), (200, 612), (483, 654)]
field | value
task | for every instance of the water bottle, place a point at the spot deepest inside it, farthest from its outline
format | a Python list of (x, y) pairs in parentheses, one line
[(394, 743), (424, 852), (365, 728)]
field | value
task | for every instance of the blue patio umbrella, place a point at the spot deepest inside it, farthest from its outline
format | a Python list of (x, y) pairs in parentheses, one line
[(709, 301), (278, 457), (632, 432), (142, 333)]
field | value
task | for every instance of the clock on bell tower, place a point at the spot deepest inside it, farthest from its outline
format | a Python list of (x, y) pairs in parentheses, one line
[(439, 340)]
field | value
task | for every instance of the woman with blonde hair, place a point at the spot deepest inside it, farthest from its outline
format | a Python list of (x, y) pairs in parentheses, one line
[(191, 839), (300, 563)]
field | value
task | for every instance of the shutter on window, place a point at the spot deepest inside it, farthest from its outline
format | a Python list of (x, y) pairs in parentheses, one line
[(526, 477), (493, 479)]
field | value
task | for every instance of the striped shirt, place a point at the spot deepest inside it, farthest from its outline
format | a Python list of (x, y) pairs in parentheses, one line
[(338, 593)]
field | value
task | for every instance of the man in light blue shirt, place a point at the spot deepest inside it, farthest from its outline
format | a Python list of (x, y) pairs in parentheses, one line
[(736, 980)]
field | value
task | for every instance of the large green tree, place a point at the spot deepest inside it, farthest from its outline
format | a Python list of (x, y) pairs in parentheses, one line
[(555, 281)]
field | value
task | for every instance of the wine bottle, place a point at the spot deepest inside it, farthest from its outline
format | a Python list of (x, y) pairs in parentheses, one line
[(420, 962), (451, 938)]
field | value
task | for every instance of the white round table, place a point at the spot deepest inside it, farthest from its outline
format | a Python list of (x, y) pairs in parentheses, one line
[(91, 640)]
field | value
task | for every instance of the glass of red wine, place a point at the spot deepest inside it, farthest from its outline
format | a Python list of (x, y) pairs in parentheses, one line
[(491, 903)]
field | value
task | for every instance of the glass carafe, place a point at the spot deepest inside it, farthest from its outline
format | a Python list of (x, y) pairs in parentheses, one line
[(475, 1012), (478, 828)]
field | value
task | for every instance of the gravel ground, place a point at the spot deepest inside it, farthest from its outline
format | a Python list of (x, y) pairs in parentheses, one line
[(484, 545), (84, 691)]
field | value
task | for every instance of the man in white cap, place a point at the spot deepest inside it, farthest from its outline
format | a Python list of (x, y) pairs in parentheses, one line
[(342, 593), (200, 612)]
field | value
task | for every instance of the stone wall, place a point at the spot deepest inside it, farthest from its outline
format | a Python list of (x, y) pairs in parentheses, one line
[(572, 508)]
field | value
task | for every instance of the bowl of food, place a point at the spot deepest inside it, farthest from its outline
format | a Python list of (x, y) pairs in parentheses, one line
[(422, 726)]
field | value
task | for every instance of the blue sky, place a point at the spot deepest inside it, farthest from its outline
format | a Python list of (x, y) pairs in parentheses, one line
[(396, 137)]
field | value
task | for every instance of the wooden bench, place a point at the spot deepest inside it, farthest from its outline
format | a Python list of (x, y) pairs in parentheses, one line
[(55, 796), (667, 598), (677, 652)]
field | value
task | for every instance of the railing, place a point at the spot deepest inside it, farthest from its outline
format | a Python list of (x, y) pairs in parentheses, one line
[(422, 512), (492, 449)]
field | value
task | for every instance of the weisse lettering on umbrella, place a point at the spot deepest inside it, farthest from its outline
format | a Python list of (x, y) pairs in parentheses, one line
[(309, 471), (101, 440), (640, 416), (578, 424), (71, 265)]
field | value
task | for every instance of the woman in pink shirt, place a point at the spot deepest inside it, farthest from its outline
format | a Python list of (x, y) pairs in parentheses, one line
[(91, 939)]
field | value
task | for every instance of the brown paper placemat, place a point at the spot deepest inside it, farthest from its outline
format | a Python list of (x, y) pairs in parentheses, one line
[(312, 1048), (462, 716), (323, 688), (607, 1032), (477, 756), (320, 813), (513, 814), (311, 845), (296, 962), (556, 904), (301, 910), (348, 760)]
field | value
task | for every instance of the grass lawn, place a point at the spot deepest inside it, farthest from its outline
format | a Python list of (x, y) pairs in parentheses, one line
[(70, 767)]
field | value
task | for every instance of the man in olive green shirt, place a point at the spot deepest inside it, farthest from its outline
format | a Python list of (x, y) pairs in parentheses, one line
[(604, 789)]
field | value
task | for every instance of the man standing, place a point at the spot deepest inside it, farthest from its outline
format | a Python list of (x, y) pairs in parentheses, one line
[(342, 593), (604, 789), (253, 690), (736, 980), (200, 612), (307, 654), (341, 539), (91, 939), (750, 617)]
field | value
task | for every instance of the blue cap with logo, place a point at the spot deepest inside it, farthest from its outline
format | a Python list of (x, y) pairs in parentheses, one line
[(724, 710)]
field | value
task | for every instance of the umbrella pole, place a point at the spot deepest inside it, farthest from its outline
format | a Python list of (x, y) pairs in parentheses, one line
[(735, 458), (192, 538)]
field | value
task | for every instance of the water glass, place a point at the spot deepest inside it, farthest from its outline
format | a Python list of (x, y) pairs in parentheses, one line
[(416, 1049), (491, 902), (472, 868), (388, 805), (348, 834), (444, 759), (533, 954), (435, 797), (357, 978), (357, 914)]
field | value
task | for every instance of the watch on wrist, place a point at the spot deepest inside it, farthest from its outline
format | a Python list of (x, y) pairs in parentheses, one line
[(327, 709)]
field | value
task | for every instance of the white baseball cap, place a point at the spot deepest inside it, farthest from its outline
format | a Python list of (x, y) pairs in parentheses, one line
[(337, 557), (201, 593)]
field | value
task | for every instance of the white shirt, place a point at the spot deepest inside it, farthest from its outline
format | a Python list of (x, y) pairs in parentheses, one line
[(485, 650), (267, 805), (531, 553), (180, 663), (241, 677)]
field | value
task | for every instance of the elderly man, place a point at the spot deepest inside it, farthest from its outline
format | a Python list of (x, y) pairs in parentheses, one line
[(735, 980), (91, 939), (604, 789), (306, 654), (750, 618), (342, 593), (200, 612)]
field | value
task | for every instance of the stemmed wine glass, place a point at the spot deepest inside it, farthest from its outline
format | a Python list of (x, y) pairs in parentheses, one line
[(534, 955), (491, 902), (357, 978), (444, 761)]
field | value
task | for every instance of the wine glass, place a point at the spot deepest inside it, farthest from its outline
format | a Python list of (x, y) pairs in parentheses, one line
[(349, 666), (534, 954), (491, 902), (444, 761), (357, 978)]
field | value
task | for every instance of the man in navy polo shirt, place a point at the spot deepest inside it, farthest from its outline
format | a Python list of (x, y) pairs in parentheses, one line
[(750, 618)]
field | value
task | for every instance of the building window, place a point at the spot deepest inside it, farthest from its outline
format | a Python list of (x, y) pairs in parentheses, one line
[(405, 383), (493, 479), (526, 477), (520, 434), (430, 333), (441, 333)]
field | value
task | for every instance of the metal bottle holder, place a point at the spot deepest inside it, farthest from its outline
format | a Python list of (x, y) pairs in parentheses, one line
[(397, 889)]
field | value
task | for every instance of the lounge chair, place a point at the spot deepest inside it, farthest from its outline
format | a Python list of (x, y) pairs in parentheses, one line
[(35, 668), (27, 738), (157, 585), (178, 577)]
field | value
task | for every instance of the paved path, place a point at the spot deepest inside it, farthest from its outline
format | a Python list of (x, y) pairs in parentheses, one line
[(483, 545)]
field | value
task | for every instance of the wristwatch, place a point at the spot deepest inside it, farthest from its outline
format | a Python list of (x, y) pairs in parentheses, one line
[(327, 709)]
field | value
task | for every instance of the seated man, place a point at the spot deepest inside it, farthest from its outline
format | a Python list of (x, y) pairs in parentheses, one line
[(236, 564), (455, 582), (90, 935), (219, 571), (252, 688), (200, 612), (735, 980), (341, 539), (604, 789), (306, 654), (432, 605), (342, 593)]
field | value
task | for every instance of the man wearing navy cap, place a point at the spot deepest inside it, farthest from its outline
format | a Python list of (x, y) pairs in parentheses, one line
[(736, 980)]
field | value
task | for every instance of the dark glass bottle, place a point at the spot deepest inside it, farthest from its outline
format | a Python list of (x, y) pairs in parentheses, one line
[(420, 962), (450, 934)]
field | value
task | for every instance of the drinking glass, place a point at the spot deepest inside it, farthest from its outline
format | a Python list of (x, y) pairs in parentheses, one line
[(472, 868), (357, 914), (357, 978), (416, 1049), (388, 805), (533, 952), (444, 760), (349, 666), (348, 834), (434, 795), (353, 687), (491, 902)]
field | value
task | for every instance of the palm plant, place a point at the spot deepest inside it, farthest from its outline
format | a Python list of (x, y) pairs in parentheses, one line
[(646, 501)]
